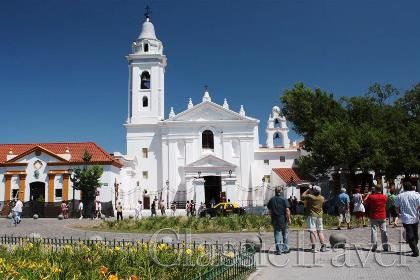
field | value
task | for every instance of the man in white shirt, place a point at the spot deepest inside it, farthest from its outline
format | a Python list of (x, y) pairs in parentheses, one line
[(18, 210), (138, 209), (81, 209), (407, 206)]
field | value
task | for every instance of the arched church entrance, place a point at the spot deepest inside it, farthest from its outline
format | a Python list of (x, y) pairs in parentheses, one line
[(212, 189), (36, 198)]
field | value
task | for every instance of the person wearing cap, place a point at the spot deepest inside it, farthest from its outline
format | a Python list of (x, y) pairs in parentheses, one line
[(343, 205), (278, 208), (315, 201)]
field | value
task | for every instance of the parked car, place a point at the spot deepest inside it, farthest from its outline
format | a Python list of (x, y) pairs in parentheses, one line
[(222, 209), (256, 210)]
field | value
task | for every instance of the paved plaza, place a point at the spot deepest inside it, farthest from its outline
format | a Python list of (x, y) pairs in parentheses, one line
[(354, 263)]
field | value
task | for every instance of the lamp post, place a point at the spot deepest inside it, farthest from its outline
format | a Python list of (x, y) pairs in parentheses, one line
[(167, 194), (263, 191), (74, 184)]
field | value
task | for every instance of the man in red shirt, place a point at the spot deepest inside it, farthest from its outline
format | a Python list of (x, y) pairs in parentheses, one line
[(376, 205)]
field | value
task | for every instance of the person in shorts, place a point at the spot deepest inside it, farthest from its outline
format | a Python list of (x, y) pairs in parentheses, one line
[(315, 201), (343, 205)]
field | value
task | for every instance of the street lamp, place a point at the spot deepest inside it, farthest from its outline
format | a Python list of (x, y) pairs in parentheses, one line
[(74, 184), (167, 194), (263, 191)]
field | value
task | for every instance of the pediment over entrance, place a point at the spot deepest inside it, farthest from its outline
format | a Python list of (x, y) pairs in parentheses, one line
[(209, 111), (210, 161)]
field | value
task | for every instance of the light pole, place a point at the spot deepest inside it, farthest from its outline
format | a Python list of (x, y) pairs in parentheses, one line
[(74, 184), (263, 191), (167, 194)]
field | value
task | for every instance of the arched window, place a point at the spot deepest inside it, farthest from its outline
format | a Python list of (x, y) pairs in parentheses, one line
[(145, 101), (277, 140), (145, 80), (207, 140), (146, 47), (276, 123)]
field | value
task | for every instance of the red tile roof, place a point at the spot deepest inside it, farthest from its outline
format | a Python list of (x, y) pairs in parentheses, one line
[(77, 150), (287, 173)]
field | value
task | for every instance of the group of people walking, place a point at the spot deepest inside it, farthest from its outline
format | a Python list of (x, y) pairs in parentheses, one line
[(405, 206)]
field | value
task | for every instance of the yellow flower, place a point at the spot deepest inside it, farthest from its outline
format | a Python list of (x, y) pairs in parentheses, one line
[(117, 249), (103, 270), (229, 254), (201, 249), (162, 247), (188, 252), (134, 277), (113, 277)]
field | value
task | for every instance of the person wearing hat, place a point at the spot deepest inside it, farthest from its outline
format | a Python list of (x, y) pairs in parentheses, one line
[(314, 219), (343, 205), (280, 218)]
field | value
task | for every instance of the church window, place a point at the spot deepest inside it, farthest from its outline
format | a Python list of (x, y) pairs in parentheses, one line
[(282, 158), (276, 123), (145, 153), (145, 174), (266, 162), (15, 193), (277, 140), (207, 140), (145, 101), (145, 80), (58, 193), (146, 47)]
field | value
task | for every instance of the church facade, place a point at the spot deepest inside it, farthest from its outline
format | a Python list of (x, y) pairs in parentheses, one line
[(206, 152)]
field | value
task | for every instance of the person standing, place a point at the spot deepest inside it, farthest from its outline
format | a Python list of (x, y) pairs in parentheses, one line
[(408, 206), (390, 206), (343, 204), (153, 209), (119, 209), (376, 203), (314, 219), (80, 209), (188, 208), (98, 209), (173, 208), (162, 207), (19, 209), (280, 218), (192, 205), (358, 207), (138, 209)]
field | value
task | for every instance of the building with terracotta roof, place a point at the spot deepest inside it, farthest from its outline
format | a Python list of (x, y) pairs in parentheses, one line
[(42, 171)]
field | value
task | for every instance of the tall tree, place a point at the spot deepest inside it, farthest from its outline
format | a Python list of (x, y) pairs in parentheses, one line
[(87, 180)]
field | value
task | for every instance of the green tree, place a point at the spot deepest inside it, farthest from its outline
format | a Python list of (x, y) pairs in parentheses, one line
[(357, 133), (87, 180)]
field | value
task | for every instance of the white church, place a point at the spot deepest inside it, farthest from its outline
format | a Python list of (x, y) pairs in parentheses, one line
[(206, 152)]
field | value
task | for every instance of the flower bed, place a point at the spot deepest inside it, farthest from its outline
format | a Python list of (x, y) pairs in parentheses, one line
[(37, 260)]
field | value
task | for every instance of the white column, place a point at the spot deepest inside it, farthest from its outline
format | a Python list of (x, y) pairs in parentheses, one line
[(199, 191), (231, 192)]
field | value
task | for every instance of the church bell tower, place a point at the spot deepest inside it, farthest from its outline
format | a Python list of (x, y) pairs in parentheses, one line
[(146, 67)]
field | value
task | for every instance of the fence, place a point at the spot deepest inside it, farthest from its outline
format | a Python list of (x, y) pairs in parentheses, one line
[(234, 260)]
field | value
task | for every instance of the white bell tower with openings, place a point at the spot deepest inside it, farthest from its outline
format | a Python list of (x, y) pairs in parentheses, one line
[(277, 130), (146, 70)]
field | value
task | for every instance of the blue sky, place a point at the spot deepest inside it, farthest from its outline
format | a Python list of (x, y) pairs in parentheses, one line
[(63, 72)]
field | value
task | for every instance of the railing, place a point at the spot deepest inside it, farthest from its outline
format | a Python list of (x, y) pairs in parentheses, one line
[(232, 261)]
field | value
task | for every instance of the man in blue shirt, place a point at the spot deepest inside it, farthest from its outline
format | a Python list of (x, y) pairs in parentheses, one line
[(343, 205), (280, 218)]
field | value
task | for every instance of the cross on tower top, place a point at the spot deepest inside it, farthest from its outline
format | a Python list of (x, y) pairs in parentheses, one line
[(148, 11)]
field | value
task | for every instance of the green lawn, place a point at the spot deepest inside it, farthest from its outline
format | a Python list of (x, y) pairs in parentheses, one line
[(233, 223)]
